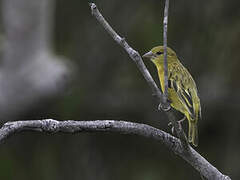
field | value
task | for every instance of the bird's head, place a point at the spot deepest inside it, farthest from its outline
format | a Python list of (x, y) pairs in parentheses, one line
[(156, 54)]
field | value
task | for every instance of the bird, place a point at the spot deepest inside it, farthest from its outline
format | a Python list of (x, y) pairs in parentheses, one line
[(182, 90)]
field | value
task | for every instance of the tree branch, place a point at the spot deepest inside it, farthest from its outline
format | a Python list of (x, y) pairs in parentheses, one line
[(165, 23), (135, 56), (166, 106), (185, 151), (122, 127)]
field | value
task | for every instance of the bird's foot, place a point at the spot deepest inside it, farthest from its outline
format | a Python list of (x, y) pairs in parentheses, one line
[(179, 124), (172, 127), (181, 120)]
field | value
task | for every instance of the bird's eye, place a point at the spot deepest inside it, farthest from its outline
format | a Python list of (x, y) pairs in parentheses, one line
[(159, 53)]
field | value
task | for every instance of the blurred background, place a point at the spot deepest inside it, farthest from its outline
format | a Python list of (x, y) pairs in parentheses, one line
[(58, 62)]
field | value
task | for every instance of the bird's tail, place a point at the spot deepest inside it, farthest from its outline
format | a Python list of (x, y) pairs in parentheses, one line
[(193, 132)]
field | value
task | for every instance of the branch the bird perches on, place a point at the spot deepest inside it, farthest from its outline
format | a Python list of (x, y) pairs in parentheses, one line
[(122, 127)]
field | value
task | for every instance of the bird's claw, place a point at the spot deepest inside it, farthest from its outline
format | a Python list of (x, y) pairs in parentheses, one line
[(179, 124), (172, 129), (181, 120)]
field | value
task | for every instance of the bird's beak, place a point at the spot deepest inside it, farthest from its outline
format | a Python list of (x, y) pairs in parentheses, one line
[(148, 55)]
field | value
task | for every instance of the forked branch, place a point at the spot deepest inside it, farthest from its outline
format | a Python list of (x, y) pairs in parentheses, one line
[(187, 153)]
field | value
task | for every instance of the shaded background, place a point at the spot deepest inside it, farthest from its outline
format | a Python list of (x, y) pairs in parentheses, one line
[(99, 81)]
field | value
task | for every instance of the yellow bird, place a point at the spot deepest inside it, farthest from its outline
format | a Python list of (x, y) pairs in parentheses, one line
[(182, 90)]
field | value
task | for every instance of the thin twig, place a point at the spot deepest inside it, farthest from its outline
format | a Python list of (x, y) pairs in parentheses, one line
[(122, 127), (165, 23), (166, 105)]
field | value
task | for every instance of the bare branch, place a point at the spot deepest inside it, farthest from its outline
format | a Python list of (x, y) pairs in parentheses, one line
[(135, 56), (187, 153), (122, 127), (166, 106), (165, 23)]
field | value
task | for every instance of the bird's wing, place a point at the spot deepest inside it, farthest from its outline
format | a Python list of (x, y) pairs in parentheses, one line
[(178, 80)]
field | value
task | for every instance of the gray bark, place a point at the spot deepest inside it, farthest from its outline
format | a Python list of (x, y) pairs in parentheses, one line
[(53, 126)]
